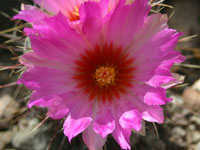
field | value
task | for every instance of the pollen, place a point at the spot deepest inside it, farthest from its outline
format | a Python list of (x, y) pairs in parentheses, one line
[(76, 12), (105, 76), (74, 15)]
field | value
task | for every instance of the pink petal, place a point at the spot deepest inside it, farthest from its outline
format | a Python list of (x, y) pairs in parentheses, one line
[(46, 80), (177, 80), (104, 123), (122, 136), (107, 6), (64, 6), (157, 42), (126, 20), (56, 40), (131, 120), (159, 63), (151, 95), (149, 113), (128, 114), (92, 21), (37, 99), (78, 119), (30, 14), (162, 72), (152, 25), (73, 127), (50, 5), (154, 114), (158, 80), (58, 51), (58, 106), (93, 140), (30, 60), (146, 61)]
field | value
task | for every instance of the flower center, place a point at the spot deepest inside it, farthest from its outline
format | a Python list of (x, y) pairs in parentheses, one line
[(104, 73), (105, 76), (74, 15)]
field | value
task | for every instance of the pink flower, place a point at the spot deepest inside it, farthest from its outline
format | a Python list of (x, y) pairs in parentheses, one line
[(106, 78), (70, 8)]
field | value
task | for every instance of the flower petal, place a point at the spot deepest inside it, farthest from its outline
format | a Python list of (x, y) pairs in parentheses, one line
[(93, 140), (104, 123), (92, 21), (37, 99), (78, 119), (56, 40), (30, 14), (154, 114), (149, 113), (131, 120), (151, 95), (59, 5), (49, 5), (126, 20), (152, 25), (41, 79), (31, 60), (58, 106), (177, 80), (122, 136)]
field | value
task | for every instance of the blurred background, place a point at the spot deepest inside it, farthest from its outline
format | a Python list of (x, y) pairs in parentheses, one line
[(30, 129)]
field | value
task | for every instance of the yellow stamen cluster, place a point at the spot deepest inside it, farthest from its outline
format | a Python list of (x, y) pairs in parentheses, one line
[(105, 76), (76, 12)]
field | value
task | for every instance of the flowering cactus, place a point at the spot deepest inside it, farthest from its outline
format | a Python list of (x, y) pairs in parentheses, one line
[(105, 76)]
